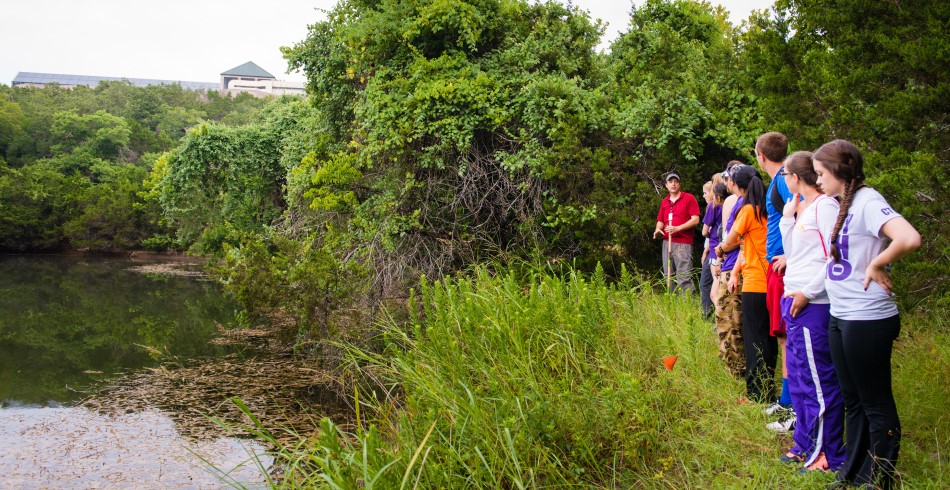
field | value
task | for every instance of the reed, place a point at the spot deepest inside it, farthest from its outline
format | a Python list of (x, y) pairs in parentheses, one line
[(554, 379)]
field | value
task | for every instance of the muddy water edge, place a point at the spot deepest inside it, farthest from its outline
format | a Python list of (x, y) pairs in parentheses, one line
[(122, 371)]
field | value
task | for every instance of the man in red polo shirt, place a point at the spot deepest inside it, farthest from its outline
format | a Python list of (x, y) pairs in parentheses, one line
[(679, 214)]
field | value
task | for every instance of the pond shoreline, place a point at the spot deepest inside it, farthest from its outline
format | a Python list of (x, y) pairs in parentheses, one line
[(109, 354)]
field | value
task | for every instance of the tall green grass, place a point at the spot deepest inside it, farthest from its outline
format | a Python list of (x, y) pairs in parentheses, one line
[(556, 380)]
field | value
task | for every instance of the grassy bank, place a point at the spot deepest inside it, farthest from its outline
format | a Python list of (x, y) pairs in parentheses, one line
[(553, 381)]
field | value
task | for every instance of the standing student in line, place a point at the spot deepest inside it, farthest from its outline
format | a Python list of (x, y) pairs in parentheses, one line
[(806, 228), (719, 195), (729, 303), (705, 276), (864, 317), (770, 151), (761, 349)]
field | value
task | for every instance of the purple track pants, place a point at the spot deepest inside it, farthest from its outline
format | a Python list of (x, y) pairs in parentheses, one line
[(813, 384)]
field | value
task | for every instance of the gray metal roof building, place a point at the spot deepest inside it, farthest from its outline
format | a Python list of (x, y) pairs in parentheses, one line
[(29, 79)]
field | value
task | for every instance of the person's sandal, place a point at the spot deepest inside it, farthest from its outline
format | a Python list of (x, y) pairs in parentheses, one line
[(790, 458)]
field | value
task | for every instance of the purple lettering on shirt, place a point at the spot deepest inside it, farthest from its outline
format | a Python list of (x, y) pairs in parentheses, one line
[(840, 270)]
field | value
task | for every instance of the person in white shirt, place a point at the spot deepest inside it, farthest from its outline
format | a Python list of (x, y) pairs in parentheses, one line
[(864, 318), (806, 226)]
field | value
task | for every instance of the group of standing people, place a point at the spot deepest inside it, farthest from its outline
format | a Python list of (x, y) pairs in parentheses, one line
[(798, 270)]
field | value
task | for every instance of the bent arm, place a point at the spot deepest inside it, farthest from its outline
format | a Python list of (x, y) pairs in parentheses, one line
[(693, 221), (904, 240), (731, 242)]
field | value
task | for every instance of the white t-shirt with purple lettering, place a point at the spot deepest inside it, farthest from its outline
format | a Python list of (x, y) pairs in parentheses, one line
[(859, 241)]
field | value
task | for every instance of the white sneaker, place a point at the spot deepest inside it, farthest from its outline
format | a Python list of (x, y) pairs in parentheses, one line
[(783, 425), (777, 409)]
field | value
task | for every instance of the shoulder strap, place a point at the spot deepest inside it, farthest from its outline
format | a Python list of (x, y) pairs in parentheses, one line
[(777, 202), (818, 228)]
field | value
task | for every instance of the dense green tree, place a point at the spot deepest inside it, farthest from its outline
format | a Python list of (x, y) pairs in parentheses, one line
[(75, 160), (12, 122), (223, 180), (35, 204), (448, 117), (875, 73), (100, 135)]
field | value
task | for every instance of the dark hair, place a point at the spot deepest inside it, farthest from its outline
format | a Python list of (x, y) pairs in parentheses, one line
[(748, 178), (720, 192), (727, 173), (801, 164), (773, 145), (845, 163)]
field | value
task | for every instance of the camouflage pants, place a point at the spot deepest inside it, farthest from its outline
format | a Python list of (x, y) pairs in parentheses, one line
[(729, 326)]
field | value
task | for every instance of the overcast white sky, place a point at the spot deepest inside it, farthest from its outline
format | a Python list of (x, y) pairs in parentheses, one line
[(192, 40)]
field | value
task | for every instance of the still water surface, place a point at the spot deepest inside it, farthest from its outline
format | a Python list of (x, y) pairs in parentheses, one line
[(69, 324)]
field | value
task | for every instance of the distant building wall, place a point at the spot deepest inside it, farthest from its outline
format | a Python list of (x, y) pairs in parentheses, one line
[(230, 84), (262, 87)]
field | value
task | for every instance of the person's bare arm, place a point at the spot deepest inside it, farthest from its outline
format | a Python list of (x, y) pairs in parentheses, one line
[(904, 240)]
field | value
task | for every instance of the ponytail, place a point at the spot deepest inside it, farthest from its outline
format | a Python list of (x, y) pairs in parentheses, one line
[(747, 178), (756, 197)]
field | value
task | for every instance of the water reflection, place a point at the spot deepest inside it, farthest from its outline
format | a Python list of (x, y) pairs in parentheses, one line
[(69, 323), (72, 447)]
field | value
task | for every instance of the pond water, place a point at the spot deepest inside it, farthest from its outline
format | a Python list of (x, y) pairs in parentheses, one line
[(69, 325)]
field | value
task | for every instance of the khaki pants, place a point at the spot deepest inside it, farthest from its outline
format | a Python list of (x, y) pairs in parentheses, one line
[(682, 265)]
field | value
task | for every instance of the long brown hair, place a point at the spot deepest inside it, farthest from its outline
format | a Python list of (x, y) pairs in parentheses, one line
[(846, 164), (801, 164)]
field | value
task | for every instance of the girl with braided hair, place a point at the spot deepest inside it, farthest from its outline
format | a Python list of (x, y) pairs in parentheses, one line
[(864, 318)]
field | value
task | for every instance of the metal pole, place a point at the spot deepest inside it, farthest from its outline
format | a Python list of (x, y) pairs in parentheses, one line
[(669, 254)]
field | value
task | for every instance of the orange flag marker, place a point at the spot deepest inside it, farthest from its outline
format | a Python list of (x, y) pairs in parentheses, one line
[(669, 362)]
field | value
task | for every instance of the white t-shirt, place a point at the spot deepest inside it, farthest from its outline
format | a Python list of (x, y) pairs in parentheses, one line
[(859, 241), (807, 244)]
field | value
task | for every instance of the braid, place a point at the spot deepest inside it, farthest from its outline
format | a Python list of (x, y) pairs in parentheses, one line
[(850, 189)]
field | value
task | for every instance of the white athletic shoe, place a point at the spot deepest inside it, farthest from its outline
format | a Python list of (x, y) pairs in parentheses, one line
[(778, 409), (783, 425)]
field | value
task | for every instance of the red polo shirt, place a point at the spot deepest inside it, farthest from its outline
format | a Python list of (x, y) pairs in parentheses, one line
[(684, 208)]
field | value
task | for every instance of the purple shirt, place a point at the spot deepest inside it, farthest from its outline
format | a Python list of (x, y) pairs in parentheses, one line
[(729, 262), (713, 219)]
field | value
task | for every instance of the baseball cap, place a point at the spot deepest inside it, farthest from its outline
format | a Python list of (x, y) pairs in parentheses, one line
[(673, 175)]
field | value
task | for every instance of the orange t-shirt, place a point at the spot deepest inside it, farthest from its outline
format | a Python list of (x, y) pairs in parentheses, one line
[(754, 232)]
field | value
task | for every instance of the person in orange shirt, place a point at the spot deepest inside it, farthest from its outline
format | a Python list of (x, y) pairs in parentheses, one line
[(761, 349)]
